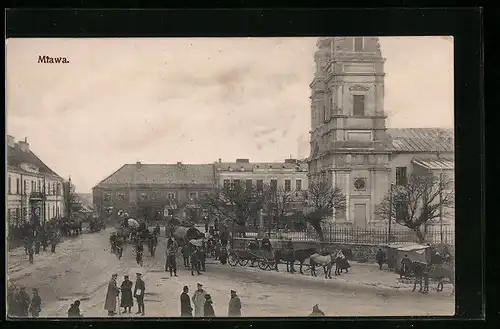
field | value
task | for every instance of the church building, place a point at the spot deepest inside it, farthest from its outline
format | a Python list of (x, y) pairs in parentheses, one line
[(351, 147)]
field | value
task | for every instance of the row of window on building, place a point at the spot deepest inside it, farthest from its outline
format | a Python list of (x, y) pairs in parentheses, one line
[(18, 216), (144, 196), (51, 188), (228, 183)]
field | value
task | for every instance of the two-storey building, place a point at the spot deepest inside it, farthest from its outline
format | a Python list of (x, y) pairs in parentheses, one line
[(34, 191), (154, 191), (288, 176)]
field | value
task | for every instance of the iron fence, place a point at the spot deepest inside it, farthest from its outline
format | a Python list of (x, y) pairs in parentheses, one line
[(332, 233)]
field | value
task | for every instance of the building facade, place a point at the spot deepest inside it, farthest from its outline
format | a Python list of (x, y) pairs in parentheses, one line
[(351, 146), (288, 176), (154, 191), (34, 191)]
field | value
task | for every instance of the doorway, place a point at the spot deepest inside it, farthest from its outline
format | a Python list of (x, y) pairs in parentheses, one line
[(360, 215)]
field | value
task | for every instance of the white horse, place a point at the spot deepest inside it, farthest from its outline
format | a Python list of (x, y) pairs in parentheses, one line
[(326, 261)]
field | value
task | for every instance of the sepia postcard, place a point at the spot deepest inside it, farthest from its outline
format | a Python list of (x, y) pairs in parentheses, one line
[(230, 177)]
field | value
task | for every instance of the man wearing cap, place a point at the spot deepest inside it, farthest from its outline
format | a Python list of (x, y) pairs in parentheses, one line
[(111, 295), (36, 304), (186, 309), (199, 300), (234, 305), (24, 301), (140, 288)]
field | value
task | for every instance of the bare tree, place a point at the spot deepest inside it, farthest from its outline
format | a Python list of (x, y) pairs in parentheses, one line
[(278, 205), (418, 201), (234, 204), (71, 204), (323, 199)]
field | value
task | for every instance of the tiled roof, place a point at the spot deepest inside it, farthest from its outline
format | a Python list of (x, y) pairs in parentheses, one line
[(237, 166), (16, 156), (435, 164), (421, 140), (135, 174)]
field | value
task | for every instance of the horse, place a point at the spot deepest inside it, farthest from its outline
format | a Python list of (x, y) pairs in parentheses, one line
[(290, 256), (341, 263), (423, 271), (326, 261)]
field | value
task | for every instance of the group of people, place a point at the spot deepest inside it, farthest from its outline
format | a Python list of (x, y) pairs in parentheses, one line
[(127, 295), (203, 303), (20, 304), (38, 240)]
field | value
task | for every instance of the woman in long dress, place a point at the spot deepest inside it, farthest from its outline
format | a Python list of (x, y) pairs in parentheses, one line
[(127, 301)]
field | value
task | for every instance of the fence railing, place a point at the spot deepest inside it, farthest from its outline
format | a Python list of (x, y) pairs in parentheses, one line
[(332, 233)]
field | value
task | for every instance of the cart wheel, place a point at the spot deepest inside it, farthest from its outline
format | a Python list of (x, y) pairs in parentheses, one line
[(232, 259), (263, 264), (243, 262)]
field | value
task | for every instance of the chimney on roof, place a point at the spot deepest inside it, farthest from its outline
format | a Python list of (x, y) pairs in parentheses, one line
[(242, 160), (11, 141), (179, 163), (24, 146), (138, 164), (220, 160)]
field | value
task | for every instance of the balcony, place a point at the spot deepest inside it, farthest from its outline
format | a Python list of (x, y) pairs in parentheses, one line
[(36, 196)]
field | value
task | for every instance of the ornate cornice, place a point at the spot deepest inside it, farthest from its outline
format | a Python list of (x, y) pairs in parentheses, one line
[(358, 87)]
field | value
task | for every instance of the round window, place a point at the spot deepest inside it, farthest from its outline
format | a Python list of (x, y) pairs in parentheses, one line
[(359, 184)]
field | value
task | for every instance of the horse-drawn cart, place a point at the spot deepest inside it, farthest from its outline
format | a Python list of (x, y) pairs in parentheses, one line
[(244, 256)]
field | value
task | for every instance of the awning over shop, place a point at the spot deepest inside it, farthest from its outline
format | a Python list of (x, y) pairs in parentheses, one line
[(435, 164)]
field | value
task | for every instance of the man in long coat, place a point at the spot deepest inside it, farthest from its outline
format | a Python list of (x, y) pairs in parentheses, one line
[(127, 300), (186, 309), (234, 305), (111, 295), (139, 290), (199, 300), (171, 263)]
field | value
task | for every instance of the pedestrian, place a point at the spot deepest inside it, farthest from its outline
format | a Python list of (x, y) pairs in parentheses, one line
[(380, 257), (316, 311), (31, 252), (171, 263), (195, 261), (127, 301), (26, 243), (404, 271), (111, 295), (13, 307), (139, 250), (74, 310), (234, 309), (198, 300), (37, 245), (36, 304), (45, 239), (208, 308), (185, 251), (53, 242), (140, 288), (23, 299), (186, 309)]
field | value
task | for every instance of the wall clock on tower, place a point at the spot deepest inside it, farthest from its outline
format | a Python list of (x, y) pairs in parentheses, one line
[(359, 184)]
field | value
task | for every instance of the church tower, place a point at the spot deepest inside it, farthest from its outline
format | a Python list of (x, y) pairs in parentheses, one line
[(348, 131)]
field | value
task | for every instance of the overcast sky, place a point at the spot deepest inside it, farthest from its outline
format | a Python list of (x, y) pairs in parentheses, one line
[(195, 100)]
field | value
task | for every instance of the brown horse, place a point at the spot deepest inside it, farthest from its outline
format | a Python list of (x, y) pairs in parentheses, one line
[(290, 256)]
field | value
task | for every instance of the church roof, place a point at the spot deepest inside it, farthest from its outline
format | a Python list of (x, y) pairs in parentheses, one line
[(161, 174), (435, 164), (16, 156), (421, 140)]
